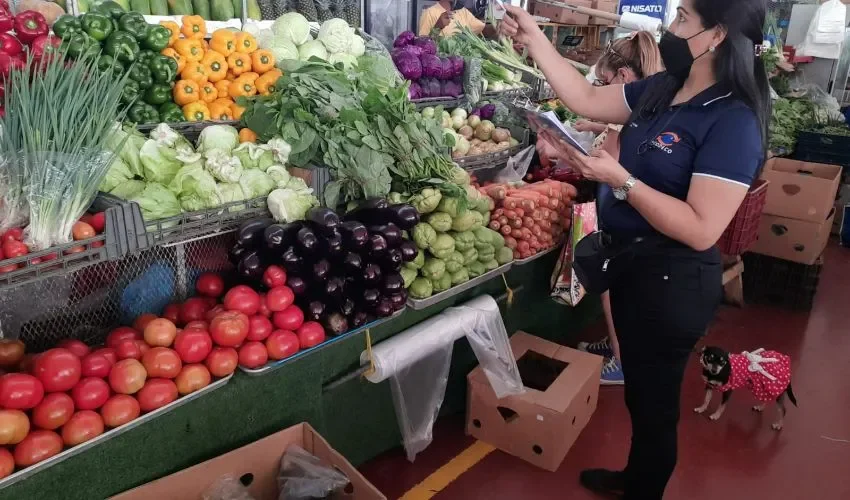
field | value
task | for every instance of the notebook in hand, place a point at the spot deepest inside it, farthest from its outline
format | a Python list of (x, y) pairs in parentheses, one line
[(549, 120)]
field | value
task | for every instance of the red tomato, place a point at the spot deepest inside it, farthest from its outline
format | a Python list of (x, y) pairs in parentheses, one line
[(229, 329), (14, 248), (160, 332), (222, 361), (7, 462), (119, 410), (290, 318), (26, 363), (11, 352), (53, 411), (14, 426), (14, 234), (279, 298), (194, 309), (37, 446), (215, 311), (128, 349), (58, 369), (274, 276), (142, 321), (264, 307), (260, 328), (242, 299), (122, 333), (197, 325), (108, 353), (210, 285), (83, 426), (143, 346), (193, 345), (172, 313), (162, 362), (77, 347), (95, 365), (19, 391), (8, 269), (192, 378), (82, 231), (310, 334), (90, 393), (127, 376), (156, 393), (98, 221), (282, 344), (253, 355)]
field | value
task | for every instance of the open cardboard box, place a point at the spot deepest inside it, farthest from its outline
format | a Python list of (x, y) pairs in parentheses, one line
[(792, 239), (800, 190), (258, 462)]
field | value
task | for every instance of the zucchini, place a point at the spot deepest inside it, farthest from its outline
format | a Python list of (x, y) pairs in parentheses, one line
[(140, 6), (221, 10), (159, 7), (202, 8), (237, 9), (180, 7)]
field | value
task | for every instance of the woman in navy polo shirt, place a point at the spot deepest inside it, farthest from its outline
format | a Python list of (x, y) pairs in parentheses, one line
[(693, 142)]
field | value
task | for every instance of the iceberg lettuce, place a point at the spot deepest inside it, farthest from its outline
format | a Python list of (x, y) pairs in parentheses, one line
[(157, 202), (255, 183), (159, 163)]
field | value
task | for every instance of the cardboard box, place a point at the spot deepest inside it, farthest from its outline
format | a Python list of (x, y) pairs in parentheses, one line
[(791, 239), (261, 459), (801, 190), (607, 6), (541, 425), (562, 15)]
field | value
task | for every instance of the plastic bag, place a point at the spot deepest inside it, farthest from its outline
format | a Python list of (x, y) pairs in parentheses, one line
[(303, 476), (517, 167), (227, 487), (826, 31), (14, 209)]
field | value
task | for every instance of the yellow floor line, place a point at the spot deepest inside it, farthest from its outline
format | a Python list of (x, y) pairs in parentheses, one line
[(445, 475)]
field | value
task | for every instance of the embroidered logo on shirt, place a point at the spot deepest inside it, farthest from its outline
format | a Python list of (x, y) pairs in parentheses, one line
[(665, 140)]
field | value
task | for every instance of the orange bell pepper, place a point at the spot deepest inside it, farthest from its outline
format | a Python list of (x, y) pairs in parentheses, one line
[(194, 27), (174, 28), (238, 63), (208, 92), (262, 61), (237, 111), (195, 71), (266, 83), (181, 61), (196, 112), (220, 111), (243, 86), (245, 43), (247, 135), (190, 49), (215, 66), (223, 41), (221, 87), (186, 92)]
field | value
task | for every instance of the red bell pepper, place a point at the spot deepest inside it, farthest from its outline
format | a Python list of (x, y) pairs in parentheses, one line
[(10, 45), (30, 25), (7, 20), (45, 46), (8, 63)]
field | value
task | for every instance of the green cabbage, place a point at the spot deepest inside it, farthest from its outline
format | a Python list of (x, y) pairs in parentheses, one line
[(160, 163), (312, 48), (195, 188), (254, 156), (282, 50), (230, 192), (126, 143), (287, 205), (218, 137), (292, 27), (255, 183), (119, 172), (279, 175), (129, 189), (377, 72), (358, 46), (336, 35), (157, 202)]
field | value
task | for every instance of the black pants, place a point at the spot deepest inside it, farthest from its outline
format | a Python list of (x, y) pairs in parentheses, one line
[(661, 306)]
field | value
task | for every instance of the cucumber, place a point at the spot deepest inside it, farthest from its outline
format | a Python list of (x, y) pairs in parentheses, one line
[(159, 7), (221, 10), (254, 10), (141, 6), (237, 9), (202, 8), (180, 7)]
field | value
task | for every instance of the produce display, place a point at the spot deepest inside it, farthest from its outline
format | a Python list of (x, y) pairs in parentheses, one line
[(212, 10), (789, 117), (472, 133), (430, 76), (12, 244)]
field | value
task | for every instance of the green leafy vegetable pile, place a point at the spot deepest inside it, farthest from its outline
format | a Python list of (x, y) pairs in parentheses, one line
[(790, 116)]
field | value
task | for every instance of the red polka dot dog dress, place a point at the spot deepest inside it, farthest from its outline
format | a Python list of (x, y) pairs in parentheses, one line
[(766, 373)]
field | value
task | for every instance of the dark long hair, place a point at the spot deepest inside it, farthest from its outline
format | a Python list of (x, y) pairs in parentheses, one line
[(736, 65)]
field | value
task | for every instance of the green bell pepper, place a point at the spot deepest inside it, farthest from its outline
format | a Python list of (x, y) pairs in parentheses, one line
[(80, 45), (142, 112), (122, 46), (171, 113), (111, 9), (67, 26), (134, 24), (96, 25), (163, 69), (145, 57), (141, 75), (156, 38), (158, 93), (130, 92), (107, 63)]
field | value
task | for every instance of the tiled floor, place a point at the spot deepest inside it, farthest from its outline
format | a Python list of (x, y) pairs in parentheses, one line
[(738, 457)]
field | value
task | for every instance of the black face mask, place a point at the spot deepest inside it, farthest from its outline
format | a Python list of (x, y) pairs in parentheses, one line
[(676, 54)]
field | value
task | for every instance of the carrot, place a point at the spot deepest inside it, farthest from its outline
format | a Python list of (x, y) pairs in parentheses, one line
[(510, 214), (526, 233), (503, 220), (494, 225), (545, 225), (545, 189), (520, 212), (534, 196), (517, 234), (516, 223), (517, 255), (570, 191), (528, 222), (553, 217), (523, 246), (498, 213), (512, 202), (506, 230), (496, 191), (510, 242), (536, 231)]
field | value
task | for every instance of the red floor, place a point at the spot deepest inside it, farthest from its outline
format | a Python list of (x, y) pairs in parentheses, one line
[(738, 457)]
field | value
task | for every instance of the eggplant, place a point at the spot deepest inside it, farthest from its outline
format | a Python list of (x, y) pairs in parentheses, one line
[(250, 233), (354, 235), (371, 297), (335, 324), (315, 310), (392, 261), (404, 216), (393, 283), (332, 245), (408, 250), (251, 265), (236, 253), (321, 270), (347, 307), (370, 216), (377, 246), (335, 289), (323, 219), (292, 262), (297, 284), (374, 203), (390, 232), (359, 319), (307, 240), (352, 263), (281, 236), (384, 309), (371, 275), (398, 301)]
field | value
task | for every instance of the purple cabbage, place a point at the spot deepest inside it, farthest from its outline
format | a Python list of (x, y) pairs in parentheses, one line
[(447, 69), (431, 66), (428, 45), (405, 38), (409, 66), (407, 50), (487, 111), (415, 91), (434, 88), (457, 65), (451, 89)]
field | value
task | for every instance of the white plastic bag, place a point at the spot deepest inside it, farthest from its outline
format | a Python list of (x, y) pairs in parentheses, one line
[(303, 476), (227, 487), (517, 166), (826, 31)]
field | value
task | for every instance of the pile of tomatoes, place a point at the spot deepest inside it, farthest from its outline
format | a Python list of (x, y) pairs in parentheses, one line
[(11, 244), (72, 393)]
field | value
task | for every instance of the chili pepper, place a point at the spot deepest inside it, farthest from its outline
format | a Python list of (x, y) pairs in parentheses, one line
[(8, 63), (45, 47), (172, 54), (158, 93), (196, 112), (220, 111), (238, 63), (7, 20), (262, 61), (134, 24), (130, 92), (215, 66), (173, 30), (96, 25), (67, 26), (223, 41), (122, 46), (10, 45), (245, 42), (81, 45), (194, 27), (145, 57), (156, 38), (142, 112), (111, 9), (30, 25), (190, 49), (186, 92), (142, 75), (170, 112), (163, 68)]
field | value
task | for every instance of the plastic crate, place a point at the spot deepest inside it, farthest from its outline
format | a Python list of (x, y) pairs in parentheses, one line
[(823, 148), (777, 282), (496, 158), (742, 232), (445, 102)]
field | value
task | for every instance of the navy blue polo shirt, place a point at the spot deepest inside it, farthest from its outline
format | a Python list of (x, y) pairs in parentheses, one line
[(713, 135)]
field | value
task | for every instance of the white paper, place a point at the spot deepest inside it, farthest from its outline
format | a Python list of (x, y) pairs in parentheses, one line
[(549, 120)]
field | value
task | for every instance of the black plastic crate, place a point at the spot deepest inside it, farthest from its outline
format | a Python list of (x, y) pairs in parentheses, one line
[(823, 148), (777, 282)]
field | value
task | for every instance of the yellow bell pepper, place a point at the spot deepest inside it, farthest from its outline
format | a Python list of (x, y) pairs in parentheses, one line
[(206, 45), (195, 71), (238, 63), (245, 43), (181, 61), (221, 87), (208, 92), (265, 83), (220, 111), (194, 27), (247, 135), (174, 28), (262, 61), (224, 100), (196, 112), (215, 66), (190, 49), (186, 92), (243, 86), (223, 41), (237, 111)]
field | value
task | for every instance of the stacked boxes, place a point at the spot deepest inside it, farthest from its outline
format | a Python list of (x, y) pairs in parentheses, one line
[(562, 15), (607, 6)]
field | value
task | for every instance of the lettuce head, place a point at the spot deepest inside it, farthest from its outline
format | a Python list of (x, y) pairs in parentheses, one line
[(292, 27), (159, 163), (336, 35), (218, 137), (256, 183), (287, 205), (157, 202)]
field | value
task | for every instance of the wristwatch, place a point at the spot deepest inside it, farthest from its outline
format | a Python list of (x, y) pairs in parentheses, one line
[(621, 193)]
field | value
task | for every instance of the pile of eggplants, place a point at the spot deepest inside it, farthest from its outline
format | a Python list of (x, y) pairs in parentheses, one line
[(344, 270)]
